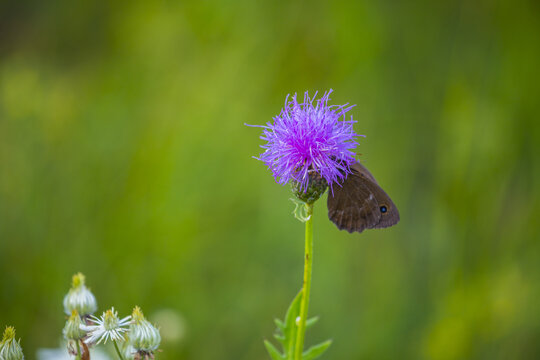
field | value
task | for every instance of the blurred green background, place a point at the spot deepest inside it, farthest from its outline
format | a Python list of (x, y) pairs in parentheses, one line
[(123, 155)]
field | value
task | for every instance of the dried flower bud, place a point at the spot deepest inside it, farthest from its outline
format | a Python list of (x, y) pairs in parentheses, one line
[(143, 336), (72, 330), (10, 349), (128, 351), (79, 298)]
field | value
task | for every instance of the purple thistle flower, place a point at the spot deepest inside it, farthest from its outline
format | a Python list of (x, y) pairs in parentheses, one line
[(305, 137)]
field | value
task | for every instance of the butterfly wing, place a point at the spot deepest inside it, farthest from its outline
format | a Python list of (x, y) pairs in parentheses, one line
[(352, 206), (360, 203)]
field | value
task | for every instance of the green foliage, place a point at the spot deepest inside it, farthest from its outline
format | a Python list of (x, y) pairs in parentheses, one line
[(286, 335), (123, 155)]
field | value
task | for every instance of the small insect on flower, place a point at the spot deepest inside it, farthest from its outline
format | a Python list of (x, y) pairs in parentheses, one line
[(108, 326), (80, 298), (10, 349), (311, 146)]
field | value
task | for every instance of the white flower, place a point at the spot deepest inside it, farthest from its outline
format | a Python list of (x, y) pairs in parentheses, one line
[(80, 298), (61, 354), (107, 327)]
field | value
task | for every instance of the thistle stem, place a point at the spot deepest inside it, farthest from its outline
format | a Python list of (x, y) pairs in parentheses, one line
[(118, 350), (78, 350), (306, 287)]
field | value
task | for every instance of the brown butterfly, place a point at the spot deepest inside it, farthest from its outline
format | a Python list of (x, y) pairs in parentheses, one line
[(360, 203)]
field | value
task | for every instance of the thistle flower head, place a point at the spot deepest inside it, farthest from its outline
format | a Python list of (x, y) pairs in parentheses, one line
[(10, 349), (108, 326), (144, 337), (79, 298), (309, 137), (72, 329)]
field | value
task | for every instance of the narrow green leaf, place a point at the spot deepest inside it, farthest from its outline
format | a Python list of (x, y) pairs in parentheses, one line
[(274, 353), (293, 311), (311, 322), (316, 350), (286, 330), (290, 326), (280, 338), (280, 325)]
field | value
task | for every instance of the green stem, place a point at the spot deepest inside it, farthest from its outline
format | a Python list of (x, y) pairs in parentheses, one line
[(78, 350), (306, 285), (118, 350)]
